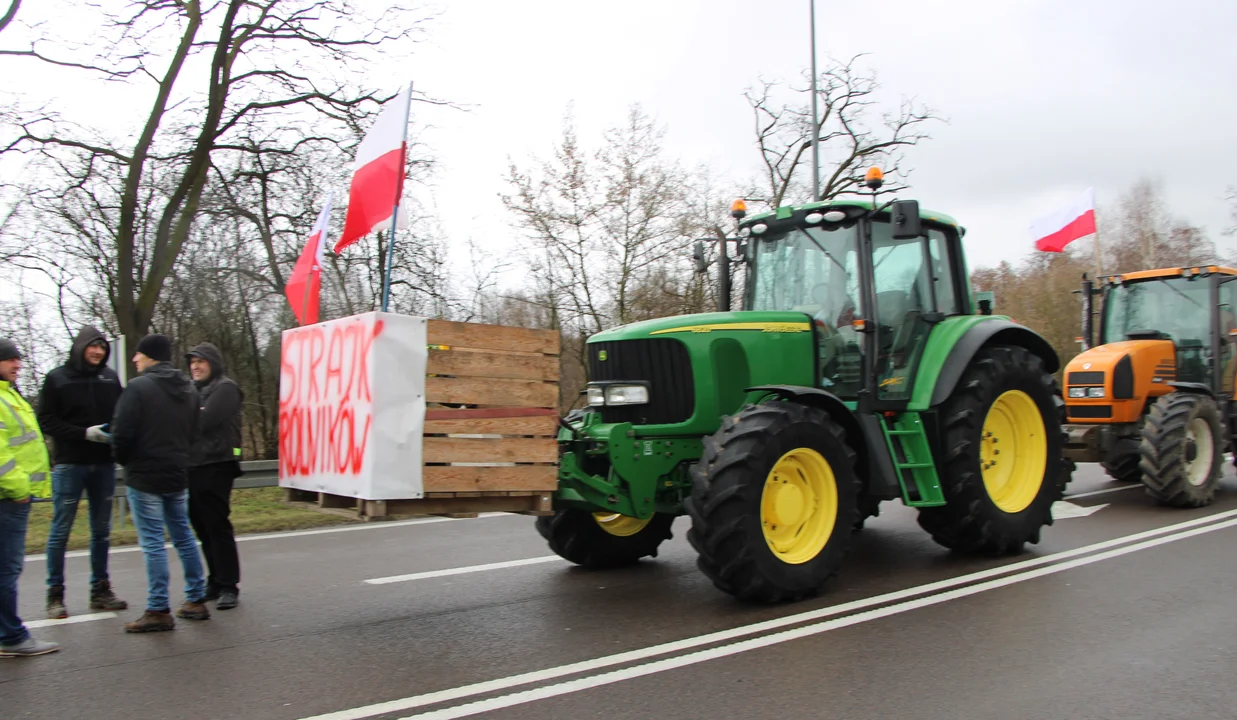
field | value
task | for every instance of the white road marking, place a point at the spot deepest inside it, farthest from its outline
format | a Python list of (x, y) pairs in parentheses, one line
[(464, 570), (294, 533), (70, 620), (465, 691), (1062, 510), (1132, 486)]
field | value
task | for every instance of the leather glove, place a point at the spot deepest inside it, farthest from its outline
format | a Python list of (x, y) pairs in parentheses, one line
[(95, 433)]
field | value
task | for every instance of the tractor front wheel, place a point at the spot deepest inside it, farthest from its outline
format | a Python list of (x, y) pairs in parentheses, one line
[(1122, 462), (773, 502), (1181, 450), (1003, 464), (602, 539)]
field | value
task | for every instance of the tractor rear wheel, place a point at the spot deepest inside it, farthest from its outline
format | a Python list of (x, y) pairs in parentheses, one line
[(1003, 464), (1182, 453), (601, 539), (773, 502), (1122, 462)]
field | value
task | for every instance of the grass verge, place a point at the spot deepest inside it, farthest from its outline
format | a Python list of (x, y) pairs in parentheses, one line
[(254, 510)]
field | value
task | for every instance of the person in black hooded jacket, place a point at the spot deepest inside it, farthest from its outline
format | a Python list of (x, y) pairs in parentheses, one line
[(153, 432), (76, 401), (214, 465)]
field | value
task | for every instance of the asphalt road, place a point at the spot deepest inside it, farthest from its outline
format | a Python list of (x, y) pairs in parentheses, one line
[(1126, 612)]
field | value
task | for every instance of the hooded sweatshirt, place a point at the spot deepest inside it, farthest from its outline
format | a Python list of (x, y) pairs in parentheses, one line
[(154, 429), (76, 396), (219, 427)]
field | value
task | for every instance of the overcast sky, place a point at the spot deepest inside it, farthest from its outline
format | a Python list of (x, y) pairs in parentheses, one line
[(1043, 97)]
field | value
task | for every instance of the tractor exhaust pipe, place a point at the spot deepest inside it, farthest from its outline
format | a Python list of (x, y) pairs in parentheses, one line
[(1088, 318)]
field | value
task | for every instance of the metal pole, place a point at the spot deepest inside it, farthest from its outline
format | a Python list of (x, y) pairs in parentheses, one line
[(815, 115), (386, 279)]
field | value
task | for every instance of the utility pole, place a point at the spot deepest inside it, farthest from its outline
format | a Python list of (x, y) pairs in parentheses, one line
[(815, 114)]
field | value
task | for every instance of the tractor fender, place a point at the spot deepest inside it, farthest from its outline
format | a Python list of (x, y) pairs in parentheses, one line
[(1193, 387), (990, 332), (863, 434)]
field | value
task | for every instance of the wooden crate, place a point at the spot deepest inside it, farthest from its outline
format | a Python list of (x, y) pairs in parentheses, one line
[(491, 422)]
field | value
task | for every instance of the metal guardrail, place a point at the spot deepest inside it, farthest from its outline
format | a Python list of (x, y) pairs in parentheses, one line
[(255, 474)]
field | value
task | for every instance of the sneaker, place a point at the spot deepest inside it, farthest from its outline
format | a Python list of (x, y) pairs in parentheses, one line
[(28, 648), (228, 599), (151, 621), (102, 597), (190, 610), (55, 603)]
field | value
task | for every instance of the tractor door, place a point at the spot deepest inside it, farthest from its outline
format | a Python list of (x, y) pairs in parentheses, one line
[(1227, 309), (914, 289)]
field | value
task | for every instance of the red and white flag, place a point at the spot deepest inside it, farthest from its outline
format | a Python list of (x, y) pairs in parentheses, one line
[(304, 286), (1053, 232), (378, 180)]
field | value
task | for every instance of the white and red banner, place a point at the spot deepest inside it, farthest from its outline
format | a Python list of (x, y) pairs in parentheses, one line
[(304, 286), (352, 406), (1053, 232), (378, 177)]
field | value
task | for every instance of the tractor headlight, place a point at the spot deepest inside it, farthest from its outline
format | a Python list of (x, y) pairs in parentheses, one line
[(627, 394), (1095, 392), (1074, 392), (595, 396)]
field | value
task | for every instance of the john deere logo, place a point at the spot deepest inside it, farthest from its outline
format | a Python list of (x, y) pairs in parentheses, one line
[(601, 356)]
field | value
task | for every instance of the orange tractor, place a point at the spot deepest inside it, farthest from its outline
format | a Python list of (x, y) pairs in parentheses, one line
[(1153, 401)]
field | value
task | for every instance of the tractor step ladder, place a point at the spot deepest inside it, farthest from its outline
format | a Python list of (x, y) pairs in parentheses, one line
[(912, 457)]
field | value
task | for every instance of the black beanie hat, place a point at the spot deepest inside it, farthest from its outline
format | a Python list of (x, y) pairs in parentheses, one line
[(8, 350), (156, 347)]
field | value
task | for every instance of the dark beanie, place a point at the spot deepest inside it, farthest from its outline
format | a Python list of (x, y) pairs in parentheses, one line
[(156, 347), (8, 351)]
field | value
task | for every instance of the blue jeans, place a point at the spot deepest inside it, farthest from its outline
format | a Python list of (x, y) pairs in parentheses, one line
[(151, 513), (13, 520), (68, 483)]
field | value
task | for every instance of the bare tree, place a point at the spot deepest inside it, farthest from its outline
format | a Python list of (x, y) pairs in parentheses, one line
[(1141, 233), (129, 207), (851, 131), (9, 14)]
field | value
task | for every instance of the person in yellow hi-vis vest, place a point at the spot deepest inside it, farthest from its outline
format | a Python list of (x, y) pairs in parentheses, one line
[(24, 473)]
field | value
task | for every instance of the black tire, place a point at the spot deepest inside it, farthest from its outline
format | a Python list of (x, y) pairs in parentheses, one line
[(868, 507), (1170, 457), (971, 520), (577, 536), (728, 486), (1122, 462)]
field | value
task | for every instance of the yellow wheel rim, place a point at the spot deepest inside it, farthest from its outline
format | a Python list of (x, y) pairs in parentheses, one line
[(799, 506), (1013, 451), (620, 525)]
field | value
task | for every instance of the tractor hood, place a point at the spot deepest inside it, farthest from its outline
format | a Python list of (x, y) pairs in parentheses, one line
[(710, 323)]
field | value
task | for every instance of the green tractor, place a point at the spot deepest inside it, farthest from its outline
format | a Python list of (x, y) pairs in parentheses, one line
[(860, 370)]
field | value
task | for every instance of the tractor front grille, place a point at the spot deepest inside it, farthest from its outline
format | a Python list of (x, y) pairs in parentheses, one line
[(661, 362)]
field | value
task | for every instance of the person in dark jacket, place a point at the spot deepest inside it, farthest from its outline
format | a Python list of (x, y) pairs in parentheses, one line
[(214, 465), (152, 435), (77, 400)]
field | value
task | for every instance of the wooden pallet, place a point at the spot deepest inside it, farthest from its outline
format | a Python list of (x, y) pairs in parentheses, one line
[(489, 440)]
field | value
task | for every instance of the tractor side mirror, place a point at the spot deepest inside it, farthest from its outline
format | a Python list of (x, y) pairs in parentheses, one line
[(702, 266), (906, 223)]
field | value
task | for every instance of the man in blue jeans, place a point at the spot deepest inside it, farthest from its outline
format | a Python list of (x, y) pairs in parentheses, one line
[(77, 400), (23, 474), (152, 435)]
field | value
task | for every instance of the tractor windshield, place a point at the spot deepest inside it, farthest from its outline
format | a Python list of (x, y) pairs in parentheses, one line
[(1180, 308), (810, 270)]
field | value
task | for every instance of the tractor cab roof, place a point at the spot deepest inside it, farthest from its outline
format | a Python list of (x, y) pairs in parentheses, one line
[(1164, 273), (787, 211)]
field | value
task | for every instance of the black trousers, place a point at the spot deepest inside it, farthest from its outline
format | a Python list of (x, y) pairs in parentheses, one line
[(210, 493)]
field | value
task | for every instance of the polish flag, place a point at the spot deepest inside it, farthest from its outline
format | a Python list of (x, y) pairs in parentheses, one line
[(1053, 232), (305, 284), (378, 180)]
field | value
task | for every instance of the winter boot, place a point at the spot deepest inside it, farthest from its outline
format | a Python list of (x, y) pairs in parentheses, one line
[(151, 621), (190, 610), (55, 603), (227, 600), (102, 597)]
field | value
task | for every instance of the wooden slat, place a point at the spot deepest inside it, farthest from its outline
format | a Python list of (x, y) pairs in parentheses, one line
[(438, 413), (464, 363), (447, 478), (499, 392), (489, 450), (546, 426), (492, 337), (540, 503)]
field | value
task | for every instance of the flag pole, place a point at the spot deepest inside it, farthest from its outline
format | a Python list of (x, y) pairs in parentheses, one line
[(386, 279)]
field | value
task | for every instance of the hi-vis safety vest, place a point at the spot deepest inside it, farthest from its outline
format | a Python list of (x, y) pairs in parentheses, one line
[(24, 470)]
